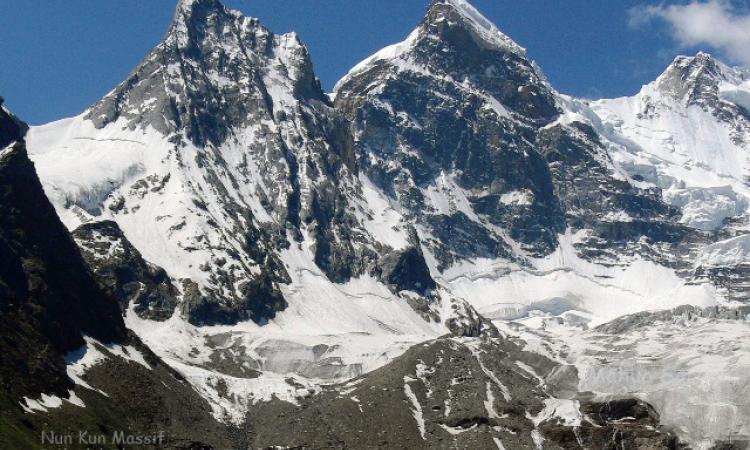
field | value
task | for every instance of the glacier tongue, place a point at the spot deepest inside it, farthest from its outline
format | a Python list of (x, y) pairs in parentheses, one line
[(689, 363)]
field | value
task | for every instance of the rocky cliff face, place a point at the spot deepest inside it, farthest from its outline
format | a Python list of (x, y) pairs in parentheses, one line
[(122, 269), (445, 122), (459, 126)]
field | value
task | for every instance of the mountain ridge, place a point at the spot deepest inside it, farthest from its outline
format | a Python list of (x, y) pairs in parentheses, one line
[(445, 181)]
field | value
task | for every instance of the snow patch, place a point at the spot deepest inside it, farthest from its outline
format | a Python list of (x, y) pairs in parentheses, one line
[(417, 408), (520, 198), (727, 253)]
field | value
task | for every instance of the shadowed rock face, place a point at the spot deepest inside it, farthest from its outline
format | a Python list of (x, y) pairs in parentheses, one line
[(496, 65), (11, 129), (48, 297), (124, 272), (49, 300), (406, 270), (453, 105), (46, 275), (618, 214)]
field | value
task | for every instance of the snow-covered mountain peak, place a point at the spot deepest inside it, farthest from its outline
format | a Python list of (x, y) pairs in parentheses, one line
[(691, 80), (215, 69), (451, 13), (701, 80), (688, 133), (221, 161), (456, 45)]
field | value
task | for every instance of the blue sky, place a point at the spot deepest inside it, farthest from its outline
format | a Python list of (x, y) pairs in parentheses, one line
[(56, 58)]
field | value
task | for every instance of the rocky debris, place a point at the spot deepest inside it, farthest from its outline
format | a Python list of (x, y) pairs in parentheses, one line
[(455, 393), (733, 283), (613, 424), (146, 398)]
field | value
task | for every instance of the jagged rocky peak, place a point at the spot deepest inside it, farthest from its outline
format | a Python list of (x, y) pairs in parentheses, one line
[(448, 14), (444, 121), (702, 81), (11, 129), (457, 44), (705, 81), (224, 154), (690, 79), (215, 69)]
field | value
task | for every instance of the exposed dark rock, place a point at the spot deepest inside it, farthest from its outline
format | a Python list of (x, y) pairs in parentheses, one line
[(50, 297), (122, 270), (406, 270), (260, 302), (11, 129), (419, 126), (446, 394), (465, 321)]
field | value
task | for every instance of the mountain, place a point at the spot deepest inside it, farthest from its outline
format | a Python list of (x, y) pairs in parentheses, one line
[(271, 243), (68, 362), (227, 212), (504, 176), (99, 379), (219, 192), (688, 133)]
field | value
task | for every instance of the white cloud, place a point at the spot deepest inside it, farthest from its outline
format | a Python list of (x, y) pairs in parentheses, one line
[(714, 23)]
